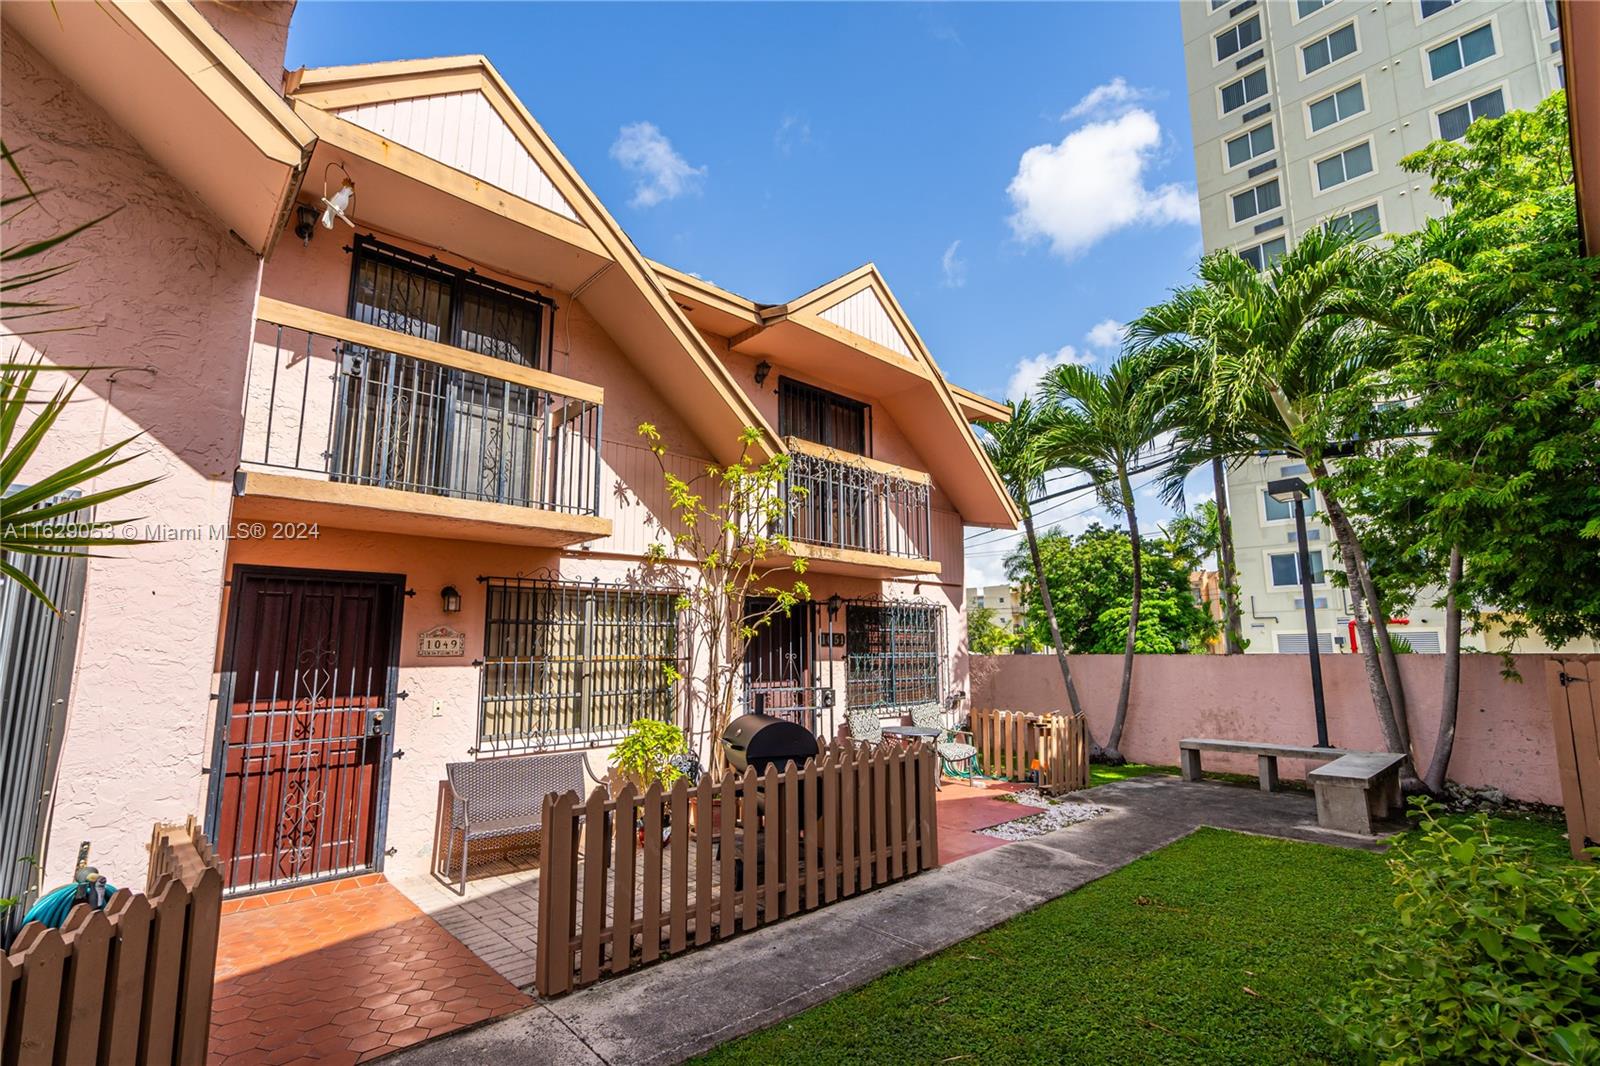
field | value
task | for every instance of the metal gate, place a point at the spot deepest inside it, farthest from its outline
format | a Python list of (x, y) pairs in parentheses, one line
[(780, 665), (36, 654), (305, 729)]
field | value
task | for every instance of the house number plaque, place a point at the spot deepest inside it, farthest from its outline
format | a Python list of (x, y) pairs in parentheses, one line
[(442, 641)]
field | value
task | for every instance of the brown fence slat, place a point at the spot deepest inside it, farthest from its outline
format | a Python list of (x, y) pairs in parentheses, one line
[(596, 859), (1574, 689), (772, 872), (790, 819), (728, 851), (705, 840), (87, 933), (34, 1017), (622, 902), (749, 850), (158, 1035), (650, 894), (811, 797), (130, 952), (200, 965), (830, 829), (849, 825), (678, 911)]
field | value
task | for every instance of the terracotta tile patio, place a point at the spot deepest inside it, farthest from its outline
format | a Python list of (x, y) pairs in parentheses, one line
[(342, 973)]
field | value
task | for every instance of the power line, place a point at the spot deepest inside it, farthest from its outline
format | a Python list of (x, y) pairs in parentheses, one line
[(1073, 490)]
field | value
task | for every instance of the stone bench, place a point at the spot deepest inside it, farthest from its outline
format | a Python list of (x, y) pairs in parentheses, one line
[(1358, 789), (1267, 756)]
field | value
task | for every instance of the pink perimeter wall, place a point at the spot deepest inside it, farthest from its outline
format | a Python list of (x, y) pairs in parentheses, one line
[(1503, 730)]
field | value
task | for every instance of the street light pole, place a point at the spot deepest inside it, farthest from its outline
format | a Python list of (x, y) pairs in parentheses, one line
[(1296, 491), (1311, 622)]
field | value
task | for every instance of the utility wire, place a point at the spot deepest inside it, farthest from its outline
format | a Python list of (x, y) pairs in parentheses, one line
[(1073, 490)]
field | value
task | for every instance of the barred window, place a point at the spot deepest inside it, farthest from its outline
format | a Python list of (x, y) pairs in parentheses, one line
[(574, 664), (894, 654)]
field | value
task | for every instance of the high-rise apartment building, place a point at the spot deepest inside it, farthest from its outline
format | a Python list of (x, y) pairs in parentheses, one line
[(1302, 111)]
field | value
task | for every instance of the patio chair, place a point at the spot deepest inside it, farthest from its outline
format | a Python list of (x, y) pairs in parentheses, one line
[(866, 729), (958, 758)]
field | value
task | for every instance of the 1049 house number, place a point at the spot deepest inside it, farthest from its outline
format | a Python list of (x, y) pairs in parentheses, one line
[(442, 641)]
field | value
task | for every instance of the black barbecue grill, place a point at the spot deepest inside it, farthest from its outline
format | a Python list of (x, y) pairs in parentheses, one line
[(757, 741)]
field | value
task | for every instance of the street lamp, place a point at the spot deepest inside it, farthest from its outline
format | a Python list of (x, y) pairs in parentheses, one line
[(1294, 491)]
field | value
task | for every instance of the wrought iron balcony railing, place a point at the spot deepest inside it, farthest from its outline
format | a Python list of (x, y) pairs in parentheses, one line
[(369, 407), (855, 503)]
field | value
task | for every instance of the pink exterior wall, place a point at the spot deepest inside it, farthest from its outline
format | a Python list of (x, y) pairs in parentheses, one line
[(166, 293), (1503, 729), (257, 29)]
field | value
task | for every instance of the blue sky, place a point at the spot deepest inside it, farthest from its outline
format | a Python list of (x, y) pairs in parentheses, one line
[(1021, 173)]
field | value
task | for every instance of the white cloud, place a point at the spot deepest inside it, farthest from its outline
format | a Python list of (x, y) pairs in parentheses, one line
[(1114, 95), (660, 173), (1106, 335), (793, 132), (1094, 183), (1029, 372), (954, 267)]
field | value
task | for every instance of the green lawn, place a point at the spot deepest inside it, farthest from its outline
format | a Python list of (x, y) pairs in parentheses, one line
[(1216, 949)]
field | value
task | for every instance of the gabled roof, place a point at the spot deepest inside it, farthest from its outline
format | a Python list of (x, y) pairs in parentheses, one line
[(453, 127), (853, 329)]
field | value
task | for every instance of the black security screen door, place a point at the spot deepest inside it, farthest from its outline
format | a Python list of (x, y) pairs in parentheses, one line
[(822, 417), (779, 675)]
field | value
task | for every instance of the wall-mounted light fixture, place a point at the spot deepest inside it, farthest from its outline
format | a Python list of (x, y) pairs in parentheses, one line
[(305, 222), (763, 368), (451, 599)]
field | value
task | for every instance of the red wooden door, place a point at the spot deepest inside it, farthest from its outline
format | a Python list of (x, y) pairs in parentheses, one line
[(304, 743)]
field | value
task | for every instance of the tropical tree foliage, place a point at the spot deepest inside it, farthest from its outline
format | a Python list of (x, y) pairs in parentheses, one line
[(985, 634)]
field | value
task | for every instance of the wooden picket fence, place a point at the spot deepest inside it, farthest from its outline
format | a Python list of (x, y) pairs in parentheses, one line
[(1574, 687), (724, 857), (1011, 744), (128, 984)]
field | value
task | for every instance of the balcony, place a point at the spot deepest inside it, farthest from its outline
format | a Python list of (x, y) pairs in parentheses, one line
[(857, 515), (352, 425)]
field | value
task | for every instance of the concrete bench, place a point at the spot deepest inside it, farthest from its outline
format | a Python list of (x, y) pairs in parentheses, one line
[(1267, 756), (1357, 789)]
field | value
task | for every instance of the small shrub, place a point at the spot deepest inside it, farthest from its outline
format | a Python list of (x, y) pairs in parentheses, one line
[(645, 754), (1494, 959)]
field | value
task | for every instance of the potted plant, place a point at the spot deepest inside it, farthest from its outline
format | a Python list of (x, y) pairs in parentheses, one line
[(645, 755)]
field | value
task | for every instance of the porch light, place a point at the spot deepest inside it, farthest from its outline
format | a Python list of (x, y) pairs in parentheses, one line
[(451, 599), (763, 368), (305, 223)]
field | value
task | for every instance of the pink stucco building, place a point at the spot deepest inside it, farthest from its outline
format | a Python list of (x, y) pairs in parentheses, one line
[(405, 511)]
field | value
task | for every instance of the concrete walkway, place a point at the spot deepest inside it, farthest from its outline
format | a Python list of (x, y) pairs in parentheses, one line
[(667, 1013)]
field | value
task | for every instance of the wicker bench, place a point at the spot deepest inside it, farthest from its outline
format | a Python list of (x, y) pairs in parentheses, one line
[(502, 797)]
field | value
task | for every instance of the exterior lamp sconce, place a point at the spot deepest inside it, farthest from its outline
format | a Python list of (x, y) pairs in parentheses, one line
[(305, 222), (834, 603), (341, 202), (1292, 490), (451, 599), (763, 368)]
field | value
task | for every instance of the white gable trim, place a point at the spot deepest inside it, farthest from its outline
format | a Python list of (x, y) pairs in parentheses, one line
[(464, 131), (864, 315)]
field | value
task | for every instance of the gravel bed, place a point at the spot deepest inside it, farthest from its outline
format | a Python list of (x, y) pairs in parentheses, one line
[(1057, 814)]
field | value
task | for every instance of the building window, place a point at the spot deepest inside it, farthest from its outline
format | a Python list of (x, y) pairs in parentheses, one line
[(1453, 121), (1217, 3), (1237, 38), (1252, 86), (394, 289), (1302, 8), (569, 663), (1252, 202), (1249, 145), (1337, 106), (1552, 20), (1472, 47), (1296, 644), (1347, 165), (1363, 222), (1263, 255), (1329, 49), (822, 417), (1433, 7), (1286, 569), (893, 652), (1280, 512)]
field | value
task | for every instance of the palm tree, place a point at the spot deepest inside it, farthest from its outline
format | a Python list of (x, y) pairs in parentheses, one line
[(1012, 447), (1105, 424), (1282, 345)]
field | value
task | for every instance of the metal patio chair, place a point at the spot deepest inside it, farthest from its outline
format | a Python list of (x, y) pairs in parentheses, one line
[(866, 729), (503, 797), (959, 758)]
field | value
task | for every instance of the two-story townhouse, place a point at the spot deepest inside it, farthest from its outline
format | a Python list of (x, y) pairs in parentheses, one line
[(441, 509)]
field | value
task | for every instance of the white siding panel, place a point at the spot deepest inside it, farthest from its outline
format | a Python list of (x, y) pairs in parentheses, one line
[(864, 315), (464, 131)]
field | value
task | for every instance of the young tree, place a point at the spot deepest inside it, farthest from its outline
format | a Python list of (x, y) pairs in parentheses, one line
[(1105, 424), (985, 635), (1012, 447), (725, 521)]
